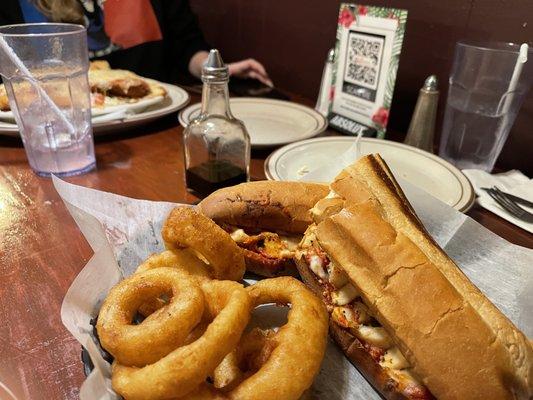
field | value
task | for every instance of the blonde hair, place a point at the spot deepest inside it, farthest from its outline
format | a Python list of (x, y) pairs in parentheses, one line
[(61, 10)]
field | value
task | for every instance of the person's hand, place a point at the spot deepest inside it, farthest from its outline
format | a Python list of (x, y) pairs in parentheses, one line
[(250, 68)]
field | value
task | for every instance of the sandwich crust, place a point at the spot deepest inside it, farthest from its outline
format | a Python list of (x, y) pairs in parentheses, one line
[(457, 341), (266, 205)]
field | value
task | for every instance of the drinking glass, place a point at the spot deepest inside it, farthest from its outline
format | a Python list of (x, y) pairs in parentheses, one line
[(44, 68), (482, 106)]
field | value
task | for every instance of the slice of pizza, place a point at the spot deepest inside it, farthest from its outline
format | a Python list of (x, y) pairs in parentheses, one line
[(119, 83), (122, 87), (99, 64), (110, 87)]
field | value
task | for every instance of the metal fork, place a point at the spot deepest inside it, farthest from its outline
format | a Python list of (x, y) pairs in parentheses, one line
[(518, 200), (509, 205)]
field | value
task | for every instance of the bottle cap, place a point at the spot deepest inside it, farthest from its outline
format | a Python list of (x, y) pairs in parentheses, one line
[(214, 69)]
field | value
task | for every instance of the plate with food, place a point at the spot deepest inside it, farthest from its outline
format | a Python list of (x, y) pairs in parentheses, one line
[(269, 122), (119, 99), (182, 323), (425, 170)]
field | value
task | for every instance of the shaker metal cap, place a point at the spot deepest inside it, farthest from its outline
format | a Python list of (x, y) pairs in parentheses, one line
[(214, 69), (331, 56), (431, 83)]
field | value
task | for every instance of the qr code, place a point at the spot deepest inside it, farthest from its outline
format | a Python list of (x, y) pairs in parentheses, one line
[(364, 59)]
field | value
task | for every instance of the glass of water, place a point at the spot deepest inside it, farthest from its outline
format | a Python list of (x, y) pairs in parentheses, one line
[(44, 68), (481, 108)]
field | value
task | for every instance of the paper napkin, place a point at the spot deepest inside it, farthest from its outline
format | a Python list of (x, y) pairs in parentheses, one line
[(513, 182)]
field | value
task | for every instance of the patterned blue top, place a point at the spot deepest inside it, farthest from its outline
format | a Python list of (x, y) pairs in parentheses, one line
[(97, 40)]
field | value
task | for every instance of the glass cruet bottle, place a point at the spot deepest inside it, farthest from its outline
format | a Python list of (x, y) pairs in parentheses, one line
[(216, 144)]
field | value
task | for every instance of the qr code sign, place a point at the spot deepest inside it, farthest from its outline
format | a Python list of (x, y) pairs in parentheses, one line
[(364, 59)]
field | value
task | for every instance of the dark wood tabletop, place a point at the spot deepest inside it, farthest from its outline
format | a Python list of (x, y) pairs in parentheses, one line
[(42, 250)]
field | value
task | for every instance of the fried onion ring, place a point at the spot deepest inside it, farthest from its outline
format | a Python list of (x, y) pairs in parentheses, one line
[(204, 392), (162, 331), (289, 365), (182, 259), (185, 228), (251, 354), (228, 374), (184, 369)]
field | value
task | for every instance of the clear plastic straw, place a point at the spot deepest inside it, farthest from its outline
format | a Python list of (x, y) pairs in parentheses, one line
[(509, 95), (520, 61), (8, 52)]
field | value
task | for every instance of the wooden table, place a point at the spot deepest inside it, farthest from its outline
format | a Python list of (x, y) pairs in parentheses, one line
[(42, 250)]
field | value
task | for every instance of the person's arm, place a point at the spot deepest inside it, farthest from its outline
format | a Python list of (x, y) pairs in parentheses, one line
[(196, 62), (184, 38)]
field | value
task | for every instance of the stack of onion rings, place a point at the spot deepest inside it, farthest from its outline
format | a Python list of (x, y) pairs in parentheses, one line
[(194, 325)]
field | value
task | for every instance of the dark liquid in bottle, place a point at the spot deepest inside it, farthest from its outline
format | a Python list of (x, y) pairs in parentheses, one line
[(205, 178)]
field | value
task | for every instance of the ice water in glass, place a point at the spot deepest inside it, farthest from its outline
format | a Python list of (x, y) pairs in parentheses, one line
[(61, 142), (472, 137), (480, 109)]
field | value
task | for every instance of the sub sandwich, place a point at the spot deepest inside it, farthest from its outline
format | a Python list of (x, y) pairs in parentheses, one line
[(400, 309), (266, 219)]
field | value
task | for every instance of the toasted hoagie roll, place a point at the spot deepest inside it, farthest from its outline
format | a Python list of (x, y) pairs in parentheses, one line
[(400, 308), (267, 219)]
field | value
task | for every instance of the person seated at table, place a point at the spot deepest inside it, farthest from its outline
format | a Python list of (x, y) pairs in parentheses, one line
[(158, 39)]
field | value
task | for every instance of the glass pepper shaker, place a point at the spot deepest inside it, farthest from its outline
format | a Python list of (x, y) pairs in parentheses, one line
[(422, 126), (217, 145)]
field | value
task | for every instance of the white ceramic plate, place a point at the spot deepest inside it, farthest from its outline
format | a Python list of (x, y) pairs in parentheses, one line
[(425, 170), (137, 107), (269, 122), (140, 113)]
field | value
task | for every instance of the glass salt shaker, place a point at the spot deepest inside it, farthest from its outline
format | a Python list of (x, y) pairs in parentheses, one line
[(217, 145)]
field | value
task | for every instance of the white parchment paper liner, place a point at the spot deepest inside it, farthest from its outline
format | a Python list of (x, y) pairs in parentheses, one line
[(123, 231)]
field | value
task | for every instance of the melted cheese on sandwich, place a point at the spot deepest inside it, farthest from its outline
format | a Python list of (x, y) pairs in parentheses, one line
[(239, 236), (348, 311), (271, 244)]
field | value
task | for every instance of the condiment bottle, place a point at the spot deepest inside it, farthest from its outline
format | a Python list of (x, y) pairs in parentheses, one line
[(422, 126), (217, 145)]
